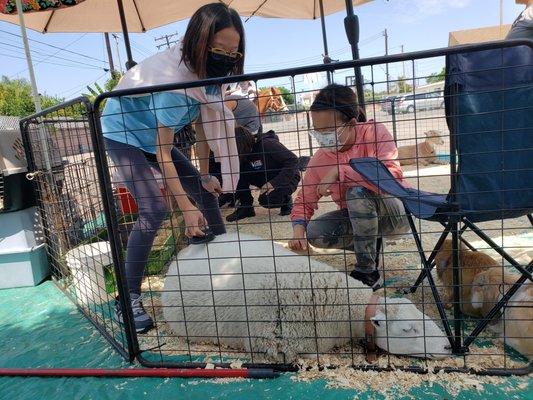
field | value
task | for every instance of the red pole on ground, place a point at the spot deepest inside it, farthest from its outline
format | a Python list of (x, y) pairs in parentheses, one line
[(140, 372)]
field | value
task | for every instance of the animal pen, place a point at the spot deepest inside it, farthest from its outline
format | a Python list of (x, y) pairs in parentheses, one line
[(245, 299)]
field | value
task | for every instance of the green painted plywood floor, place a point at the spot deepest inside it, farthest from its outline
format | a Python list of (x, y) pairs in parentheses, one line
[(42, 328)]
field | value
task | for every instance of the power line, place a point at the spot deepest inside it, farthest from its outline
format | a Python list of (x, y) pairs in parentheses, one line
[(47, 56), (52, 63), (55, 47), (166, 39), (68, 92)]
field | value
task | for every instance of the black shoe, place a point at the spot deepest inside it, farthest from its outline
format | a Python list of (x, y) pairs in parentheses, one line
[(372, 279), (202, 239), (286, 208), (241, 212)]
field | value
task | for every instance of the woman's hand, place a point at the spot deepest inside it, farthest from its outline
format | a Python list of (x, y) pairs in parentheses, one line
[(298, 241), (212, 185), (194, 222), (267, 188)]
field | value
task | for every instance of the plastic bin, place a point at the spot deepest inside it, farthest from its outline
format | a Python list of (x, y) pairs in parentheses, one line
[(23, 260), (16, 192), (86, 263)]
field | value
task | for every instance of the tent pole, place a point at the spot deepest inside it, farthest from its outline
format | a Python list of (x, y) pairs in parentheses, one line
[(326, 58), (36, 97), (130, 63), (35, 92), (351, 25)]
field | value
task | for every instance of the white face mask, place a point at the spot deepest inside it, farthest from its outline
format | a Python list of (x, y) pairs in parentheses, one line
[(327, 139)]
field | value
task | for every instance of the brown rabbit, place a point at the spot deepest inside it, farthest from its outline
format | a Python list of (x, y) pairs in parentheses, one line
[(516, 327), (471, 263), (423, 153)]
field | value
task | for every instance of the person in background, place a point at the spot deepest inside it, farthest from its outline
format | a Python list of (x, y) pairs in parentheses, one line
[(268, 165), (342, 132), (246, 115), (141, 128), (522, 27)]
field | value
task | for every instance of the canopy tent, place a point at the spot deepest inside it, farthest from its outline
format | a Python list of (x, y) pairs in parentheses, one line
[(478, 35), (141, 15)]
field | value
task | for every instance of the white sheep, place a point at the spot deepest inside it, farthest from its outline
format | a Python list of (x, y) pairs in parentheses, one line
[(249, 293)]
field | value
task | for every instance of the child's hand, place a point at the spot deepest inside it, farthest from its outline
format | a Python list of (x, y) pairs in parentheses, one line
[(323, 188), (298, 241), (267, 188)]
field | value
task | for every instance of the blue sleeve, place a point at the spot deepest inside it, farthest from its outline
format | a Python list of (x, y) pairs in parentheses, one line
[(174, 110)]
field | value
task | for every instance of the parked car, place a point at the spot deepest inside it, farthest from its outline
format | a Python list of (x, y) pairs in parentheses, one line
[(386, 104), (420, 101)]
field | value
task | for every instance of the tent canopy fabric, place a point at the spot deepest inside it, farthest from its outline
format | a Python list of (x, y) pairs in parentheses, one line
[(478, 35), (143, 15)]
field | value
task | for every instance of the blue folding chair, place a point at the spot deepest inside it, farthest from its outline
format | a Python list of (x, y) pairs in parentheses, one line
[(489, 109)]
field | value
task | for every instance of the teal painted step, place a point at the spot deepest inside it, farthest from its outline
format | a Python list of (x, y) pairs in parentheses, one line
[(41, 328)]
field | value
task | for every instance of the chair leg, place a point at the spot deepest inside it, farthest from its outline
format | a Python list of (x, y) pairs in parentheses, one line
[(431, 281), (429, 261), (379, 248)]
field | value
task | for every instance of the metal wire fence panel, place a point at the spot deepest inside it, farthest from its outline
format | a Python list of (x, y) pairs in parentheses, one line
[(63, 166), (317, 206), (294, 246)]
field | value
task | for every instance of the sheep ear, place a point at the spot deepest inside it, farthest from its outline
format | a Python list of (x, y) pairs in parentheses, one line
[(378, 319)]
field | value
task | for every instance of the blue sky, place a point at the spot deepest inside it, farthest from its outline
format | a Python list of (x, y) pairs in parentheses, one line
[(271, 43)]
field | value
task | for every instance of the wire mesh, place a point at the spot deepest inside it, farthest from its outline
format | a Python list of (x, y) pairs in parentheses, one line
[(250, 296), (62, 165)]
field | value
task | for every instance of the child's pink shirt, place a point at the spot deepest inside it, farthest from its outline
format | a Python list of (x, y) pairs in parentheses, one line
[(372, 140)]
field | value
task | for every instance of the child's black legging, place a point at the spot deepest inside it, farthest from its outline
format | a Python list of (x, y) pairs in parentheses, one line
[(137, 176)]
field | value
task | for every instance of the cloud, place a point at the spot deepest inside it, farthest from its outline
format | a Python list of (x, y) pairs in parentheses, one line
[(415, 10)]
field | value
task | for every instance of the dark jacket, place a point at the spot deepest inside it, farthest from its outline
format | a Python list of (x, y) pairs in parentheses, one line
[(270, 161)]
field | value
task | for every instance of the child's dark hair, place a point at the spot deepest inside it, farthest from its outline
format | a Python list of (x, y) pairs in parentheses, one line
[(244, 139), (340, 98), (204, 23)]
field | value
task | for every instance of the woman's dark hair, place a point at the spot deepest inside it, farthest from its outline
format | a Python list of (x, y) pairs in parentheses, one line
[(204, 23), (244, 139), (340, 98)]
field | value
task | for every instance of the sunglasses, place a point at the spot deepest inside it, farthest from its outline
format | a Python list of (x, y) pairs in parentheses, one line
[(221, 52)]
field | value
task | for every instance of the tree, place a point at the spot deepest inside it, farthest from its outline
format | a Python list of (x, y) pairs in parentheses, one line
[(403, 86), (287, 95), (436, 77), (97, 90), (16, 98)]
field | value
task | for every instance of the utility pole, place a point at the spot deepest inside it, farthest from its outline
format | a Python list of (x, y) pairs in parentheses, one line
[(118, 51), (167, 41), (403, 64), (387, 64), (109, 54)]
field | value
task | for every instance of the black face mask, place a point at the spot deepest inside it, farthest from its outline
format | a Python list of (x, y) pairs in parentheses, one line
[(219, 65)]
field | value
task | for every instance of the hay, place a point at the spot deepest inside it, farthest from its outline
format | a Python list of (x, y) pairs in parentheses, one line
[(401, 264)]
